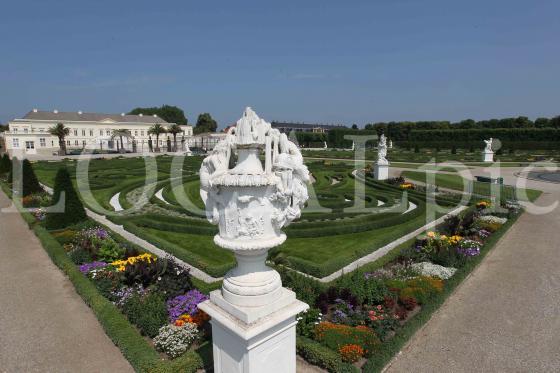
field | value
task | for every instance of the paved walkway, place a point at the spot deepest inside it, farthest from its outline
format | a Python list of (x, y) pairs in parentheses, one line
[(44, 324), (505, 317)]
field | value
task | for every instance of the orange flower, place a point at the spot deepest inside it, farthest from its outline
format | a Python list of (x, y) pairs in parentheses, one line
[(351, 352)]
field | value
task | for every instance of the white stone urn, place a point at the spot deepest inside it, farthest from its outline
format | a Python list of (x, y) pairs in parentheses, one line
[(251, 202)]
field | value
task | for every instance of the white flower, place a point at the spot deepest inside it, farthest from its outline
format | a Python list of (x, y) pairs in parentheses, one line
[(175, 340), (434, 270), (159, 278)]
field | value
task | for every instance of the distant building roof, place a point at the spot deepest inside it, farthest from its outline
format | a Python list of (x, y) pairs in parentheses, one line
[(91, 117), (305, 125)]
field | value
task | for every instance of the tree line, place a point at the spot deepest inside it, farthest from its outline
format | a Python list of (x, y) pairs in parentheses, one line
[(174, 114), (401, 131)]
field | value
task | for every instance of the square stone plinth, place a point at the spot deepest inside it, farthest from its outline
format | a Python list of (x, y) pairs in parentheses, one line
[(268, 344), (488, 156), (381, 171)]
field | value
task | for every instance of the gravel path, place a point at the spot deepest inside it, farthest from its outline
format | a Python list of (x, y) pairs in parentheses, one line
[(44, 324)]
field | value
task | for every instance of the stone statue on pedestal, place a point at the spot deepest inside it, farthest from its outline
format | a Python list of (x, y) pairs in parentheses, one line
[(251, 202)]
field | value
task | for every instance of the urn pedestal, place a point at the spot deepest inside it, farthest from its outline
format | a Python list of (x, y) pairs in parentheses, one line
[(381, 171), (488, 156)]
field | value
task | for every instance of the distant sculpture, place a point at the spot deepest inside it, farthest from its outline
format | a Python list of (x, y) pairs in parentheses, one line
[(390, 144), (353, 146), (488, 145), (382, 150), (324, 145)]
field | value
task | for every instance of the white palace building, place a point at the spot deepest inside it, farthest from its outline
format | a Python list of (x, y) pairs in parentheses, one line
[(93, 131)]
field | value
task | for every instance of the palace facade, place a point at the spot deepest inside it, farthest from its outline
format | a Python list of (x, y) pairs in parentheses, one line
[(93, 131)]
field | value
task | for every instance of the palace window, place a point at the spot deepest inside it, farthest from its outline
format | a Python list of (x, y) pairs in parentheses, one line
[(42, 142), (84, 143), (14, 130), (15, 143), (91, 133), (141, 133), (83, 132), (76, 142), (29, 145), (135, 133), (68, 142), (108, 133), (25, 130), (75, 132)]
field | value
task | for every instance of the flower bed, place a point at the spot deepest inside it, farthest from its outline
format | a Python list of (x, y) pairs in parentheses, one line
[(362, 312), (155, 294)]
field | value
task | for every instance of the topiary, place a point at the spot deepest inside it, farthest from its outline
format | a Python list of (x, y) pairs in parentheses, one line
[(29, 179), (74, 211), (5, 164)]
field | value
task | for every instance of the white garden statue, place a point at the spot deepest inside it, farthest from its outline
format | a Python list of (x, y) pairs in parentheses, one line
[(381, 169), (488, 145), (251, 203), (324, 145), (488, 153)]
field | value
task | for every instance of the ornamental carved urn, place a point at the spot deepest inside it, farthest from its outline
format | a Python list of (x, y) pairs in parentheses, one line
[(253, 183)]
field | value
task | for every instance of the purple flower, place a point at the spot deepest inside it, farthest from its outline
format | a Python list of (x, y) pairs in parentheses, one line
[(86, 267), (123, 294), (185, 304), (339, 316)]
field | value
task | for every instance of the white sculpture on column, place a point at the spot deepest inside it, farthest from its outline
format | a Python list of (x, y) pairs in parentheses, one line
[(488, 153), (253, 316), (324, 145), (381, 170)]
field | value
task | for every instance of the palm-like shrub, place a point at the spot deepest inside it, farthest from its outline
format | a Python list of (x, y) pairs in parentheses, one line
[(74, 211), (61, 132), (120, 133), (174, 130), (156, 130)]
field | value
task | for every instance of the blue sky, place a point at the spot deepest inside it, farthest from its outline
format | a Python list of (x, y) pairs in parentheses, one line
[(315, 61)]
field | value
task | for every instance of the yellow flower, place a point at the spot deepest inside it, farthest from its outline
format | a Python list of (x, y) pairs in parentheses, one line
[(121, 264), (431, 234)]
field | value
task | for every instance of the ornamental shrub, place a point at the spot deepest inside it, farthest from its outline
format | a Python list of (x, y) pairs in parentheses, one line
[(335, 336), (80, 256), (30, 183), (366, 290), (175, 340), (147, 312), (5, 164), (74, 211)]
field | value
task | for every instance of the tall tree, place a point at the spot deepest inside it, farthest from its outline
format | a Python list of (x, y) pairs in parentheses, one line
[(74, 211), (157, 129), (205, 123), (174, 130), (171, 114), (120, 133), (60, 131), (5, 164), (3, 128)]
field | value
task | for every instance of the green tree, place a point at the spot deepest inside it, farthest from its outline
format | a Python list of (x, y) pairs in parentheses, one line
[(74, 211), (174, 130), (28, 180), (171, 114), (354, 126), (205, 123), (157, 129), (3, 128), (61, 132), (30, 184), (120, 133), (5, 164)]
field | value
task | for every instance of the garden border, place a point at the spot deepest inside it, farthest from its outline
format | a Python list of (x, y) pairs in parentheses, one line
[(141, 356)]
